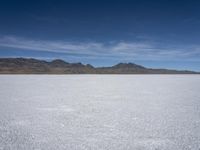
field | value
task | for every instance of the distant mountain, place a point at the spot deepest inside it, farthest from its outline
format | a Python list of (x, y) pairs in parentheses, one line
[(34, 66)]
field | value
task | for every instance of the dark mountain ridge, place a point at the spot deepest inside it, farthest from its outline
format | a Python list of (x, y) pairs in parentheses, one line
[(58, 66)]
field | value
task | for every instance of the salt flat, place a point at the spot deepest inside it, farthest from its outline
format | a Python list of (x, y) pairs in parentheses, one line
[(100, 112)]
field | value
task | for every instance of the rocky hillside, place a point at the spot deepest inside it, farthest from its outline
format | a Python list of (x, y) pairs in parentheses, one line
[(34, 66)]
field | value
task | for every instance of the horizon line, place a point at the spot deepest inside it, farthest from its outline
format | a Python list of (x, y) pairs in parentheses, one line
[(120, 62)]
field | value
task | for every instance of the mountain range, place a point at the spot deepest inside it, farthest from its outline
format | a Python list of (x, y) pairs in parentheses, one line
[(58, 66)]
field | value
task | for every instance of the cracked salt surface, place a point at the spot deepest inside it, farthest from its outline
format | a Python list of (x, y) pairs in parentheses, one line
[(100, 112)]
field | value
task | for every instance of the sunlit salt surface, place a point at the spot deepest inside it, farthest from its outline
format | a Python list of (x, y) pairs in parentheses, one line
[(100, 112)]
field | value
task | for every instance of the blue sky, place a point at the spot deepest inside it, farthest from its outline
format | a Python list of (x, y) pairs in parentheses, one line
[(156, 33)]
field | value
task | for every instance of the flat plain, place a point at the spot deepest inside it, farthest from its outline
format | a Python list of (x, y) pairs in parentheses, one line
[(100, 112)]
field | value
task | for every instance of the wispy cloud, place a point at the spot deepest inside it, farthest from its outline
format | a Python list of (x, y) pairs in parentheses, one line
[(51, 46), (126, 50)]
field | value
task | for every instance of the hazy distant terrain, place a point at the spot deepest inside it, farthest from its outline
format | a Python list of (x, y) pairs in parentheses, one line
[(34, 66), (100, 112)]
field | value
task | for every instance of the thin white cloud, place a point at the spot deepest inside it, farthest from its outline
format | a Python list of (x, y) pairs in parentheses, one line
[(51, 46), (122, 49)]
